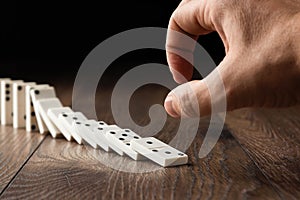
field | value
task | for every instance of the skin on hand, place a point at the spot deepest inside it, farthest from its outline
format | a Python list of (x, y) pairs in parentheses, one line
[(262, 63)]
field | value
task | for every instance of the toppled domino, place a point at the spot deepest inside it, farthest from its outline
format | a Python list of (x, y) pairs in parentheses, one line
[(106, 143), (159, 152), (121, 139), (53, 114), (85, 130), (67, 120)]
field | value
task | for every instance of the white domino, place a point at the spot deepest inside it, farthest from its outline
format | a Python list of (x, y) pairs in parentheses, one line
[(53, 114), (100, 133), (67, 120), (121, 139), (159, 152), (38, 93), (2, 79), (6, 101), (43, 106), (31, 121), (36, 107), (86, 130), (19, 104)]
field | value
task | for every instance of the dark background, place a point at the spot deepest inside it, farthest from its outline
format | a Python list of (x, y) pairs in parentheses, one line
[(48, 40)]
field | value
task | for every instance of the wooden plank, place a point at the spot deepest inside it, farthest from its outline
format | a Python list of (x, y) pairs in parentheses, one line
[(16, 147), (271, 137), (65, 170), (60, 169)]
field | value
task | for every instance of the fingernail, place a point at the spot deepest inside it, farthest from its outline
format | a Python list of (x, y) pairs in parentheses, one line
[(169, 106)]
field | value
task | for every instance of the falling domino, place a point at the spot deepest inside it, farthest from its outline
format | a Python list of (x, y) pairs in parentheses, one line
[(53, 114), (121, 139), (36, 107), (43, 106), (31, 121), (67, 119)]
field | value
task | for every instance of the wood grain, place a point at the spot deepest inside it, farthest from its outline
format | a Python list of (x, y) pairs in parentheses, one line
[(65, 170), (261, 161), (271, 137), (16, 146)]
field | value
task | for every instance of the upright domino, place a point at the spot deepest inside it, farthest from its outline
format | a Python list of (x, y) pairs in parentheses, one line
[(19, 104), (43, 106), (31, 121), (2, 79), (38, 93), (122, 139), (159, 152), (6, 101), (36, 107)]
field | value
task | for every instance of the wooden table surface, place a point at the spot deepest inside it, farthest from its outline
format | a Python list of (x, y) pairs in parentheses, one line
[(257, 157)]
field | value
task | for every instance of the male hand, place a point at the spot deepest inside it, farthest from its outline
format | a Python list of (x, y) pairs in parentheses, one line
[(262, 63)]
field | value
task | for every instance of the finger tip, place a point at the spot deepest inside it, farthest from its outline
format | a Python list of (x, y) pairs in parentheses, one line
[(181, 69), (170, 107), (180, 78)]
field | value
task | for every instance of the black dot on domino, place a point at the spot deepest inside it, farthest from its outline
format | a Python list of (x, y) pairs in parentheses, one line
[(87, 125), (7, 98), (78, 123), (7, 85), (100, 128), (128, 144), (12, 114), (167, 152), (65, 115), (75, 118), (37, 92), (33, 127), (19, 88), (125, 135), (32, 114), (136, 137), (149, 142), (25, 117), (121, 139), (112, 132), (180, 154), (7, 92), (101, 123), (154, 150)]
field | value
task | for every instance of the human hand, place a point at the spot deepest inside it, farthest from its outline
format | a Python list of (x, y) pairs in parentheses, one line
[(262, 63)]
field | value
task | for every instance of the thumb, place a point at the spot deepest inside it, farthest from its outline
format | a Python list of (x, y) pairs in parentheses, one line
[(188, 99), (197, 97)]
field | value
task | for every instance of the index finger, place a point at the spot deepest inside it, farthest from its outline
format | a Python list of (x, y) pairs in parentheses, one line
[(183, 31)]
